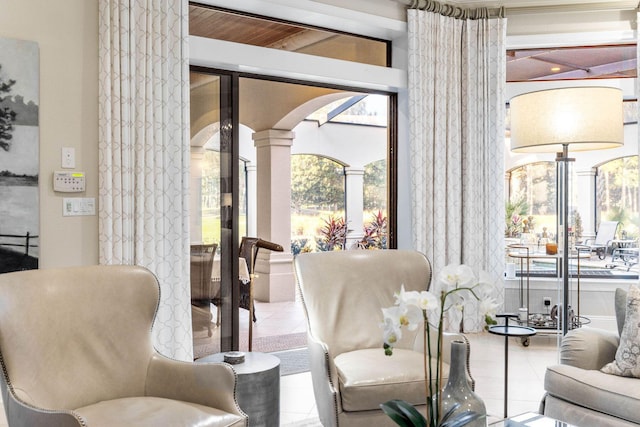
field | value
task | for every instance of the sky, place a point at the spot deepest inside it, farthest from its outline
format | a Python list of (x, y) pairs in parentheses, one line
[(20, 62)]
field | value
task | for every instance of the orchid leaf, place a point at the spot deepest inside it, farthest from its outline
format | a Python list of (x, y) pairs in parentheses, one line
[(403, 413), (450, 412), (461, 419)]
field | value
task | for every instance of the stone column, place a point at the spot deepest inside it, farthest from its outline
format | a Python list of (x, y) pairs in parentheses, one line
[(507, 186), (195, 200), (252, 199), (275, 281), (585, 190), (354, 204)]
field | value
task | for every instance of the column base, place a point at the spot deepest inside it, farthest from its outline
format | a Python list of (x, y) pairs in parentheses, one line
[(275, 281)]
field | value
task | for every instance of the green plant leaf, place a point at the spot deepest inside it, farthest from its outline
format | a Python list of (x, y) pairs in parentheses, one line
[(461, 419), (403, 413), (450, 412)]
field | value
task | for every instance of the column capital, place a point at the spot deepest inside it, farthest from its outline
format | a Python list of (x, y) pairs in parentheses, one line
[(351, 170), (587, 172), (197, 152), (273, 137)]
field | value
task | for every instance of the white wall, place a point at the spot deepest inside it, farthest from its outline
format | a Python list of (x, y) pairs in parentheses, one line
[(67, 34)]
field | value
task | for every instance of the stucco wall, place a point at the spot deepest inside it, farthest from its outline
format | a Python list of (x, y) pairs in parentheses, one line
[(67, 35)]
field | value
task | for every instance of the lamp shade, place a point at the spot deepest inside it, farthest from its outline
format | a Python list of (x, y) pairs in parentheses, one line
[(586, 118)]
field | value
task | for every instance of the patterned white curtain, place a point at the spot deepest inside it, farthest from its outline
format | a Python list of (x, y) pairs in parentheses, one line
[(456, 110), (144, 153)]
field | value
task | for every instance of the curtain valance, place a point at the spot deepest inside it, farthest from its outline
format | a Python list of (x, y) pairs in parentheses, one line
[(457, 12)]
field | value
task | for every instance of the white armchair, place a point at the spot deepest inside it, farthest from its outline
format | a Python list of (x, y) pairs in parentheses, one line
[(76, 350), (343, 293)]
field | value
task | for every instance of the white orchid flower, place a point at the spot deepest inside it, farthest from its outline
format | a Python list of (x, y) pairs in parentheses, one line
[(423, 300), (454, 276), (455, 300), (403, 315), (485, 287), (488, 307), (392, 332)]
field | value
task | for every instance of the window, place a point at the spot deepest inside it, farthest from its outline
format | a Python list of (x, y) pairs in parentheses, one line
[(617, 195), (317, 204), (531, 207), (228, 25)]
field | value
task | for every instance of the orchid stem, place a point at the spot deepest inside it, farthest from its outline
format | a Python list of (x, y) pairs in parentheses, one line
[(427, 368)]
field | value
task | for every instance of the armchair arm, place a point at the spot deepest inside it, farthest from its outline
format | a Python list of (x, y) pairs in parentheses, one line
[(209, 384), (588, 348), (19, 413), (324, 380)]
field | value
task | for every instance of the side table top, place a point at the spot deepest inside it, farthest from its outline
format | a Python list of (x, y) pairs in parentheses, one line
[(253, 362), (512, 330), (530, 419)]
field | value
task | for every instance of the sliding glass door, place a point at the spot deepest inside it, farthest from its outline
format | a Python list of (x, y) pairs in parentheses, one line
[(214, 211)]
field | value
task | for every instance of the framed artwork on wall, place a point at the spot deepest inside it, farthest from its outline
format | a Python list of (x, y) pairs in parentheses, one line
[(19, 154)]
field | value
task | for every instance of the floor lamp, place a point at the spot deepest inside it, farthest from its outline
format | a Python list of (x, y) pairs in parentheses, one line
[(548, 121)]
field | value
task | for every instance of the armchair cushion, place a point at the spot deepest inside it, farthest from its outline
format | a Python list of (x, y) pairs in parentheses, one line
[(588, 348), (153, 411), (368, 377), (603, 393)]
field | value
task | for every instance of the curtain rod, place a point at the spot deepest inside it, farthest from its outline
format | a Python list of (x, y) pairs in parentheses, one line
[(455, 11), (503, 11)]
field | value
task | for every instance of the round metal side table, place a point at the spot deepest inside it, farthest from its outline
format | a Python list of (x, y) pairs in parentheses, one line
[(258, 386), (507, 331)]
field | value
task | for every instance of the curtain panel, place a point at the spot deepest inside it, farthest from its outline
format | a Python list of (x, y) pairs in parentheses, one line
[(457, 82), (144, 153)]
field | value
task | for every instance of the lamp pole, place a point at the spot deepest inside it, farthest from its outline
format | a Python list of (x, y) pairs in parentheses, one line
[(563, 160)]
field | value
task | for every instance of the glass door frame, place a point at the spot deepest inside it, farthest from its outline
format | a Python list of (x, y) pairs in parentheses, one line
[(229, 209), (230, 182)]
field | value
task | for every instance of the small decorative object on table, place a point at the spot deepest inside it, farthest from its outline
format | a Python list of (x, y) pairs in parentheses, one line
[(412, 308), (551, 248)]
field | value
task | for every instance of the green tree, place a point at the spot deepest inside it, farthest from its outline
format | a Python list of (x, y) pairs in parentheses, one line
[(7, 115), (375, 185), (316, 181)]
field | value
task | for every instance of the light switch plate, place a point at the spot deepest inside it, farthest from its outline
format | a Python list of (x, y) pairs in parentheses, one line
[(78, 206), (68, 157)]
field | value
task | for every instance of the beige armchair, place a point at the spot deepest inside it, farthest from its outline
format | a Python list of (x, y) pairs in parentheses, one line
[(343, 293), (76, 350)]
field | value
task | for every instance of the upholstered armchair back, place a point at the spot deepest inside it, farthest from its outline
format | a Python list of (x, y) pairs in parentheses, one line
[(92, 349), (344, 291)]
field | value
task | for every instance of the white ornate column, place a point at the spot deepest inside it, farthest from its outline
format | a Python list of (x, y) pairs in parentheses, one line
[(354, 204), (275, 281), (507, 186), (586, 201), (252, 199), (195, 200)]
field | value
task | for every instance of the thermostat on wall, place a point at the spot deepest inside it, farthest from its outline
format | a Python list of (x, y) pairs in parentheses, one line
[(68, 182)]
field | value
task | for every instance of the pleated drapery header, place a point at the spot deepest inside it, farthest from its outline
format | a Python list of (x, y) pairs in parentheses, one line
[(457, 12)]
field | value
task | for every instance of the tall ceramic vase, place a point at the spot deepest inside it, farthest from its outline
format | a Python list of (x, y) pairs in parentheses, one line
[(458, 389)]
